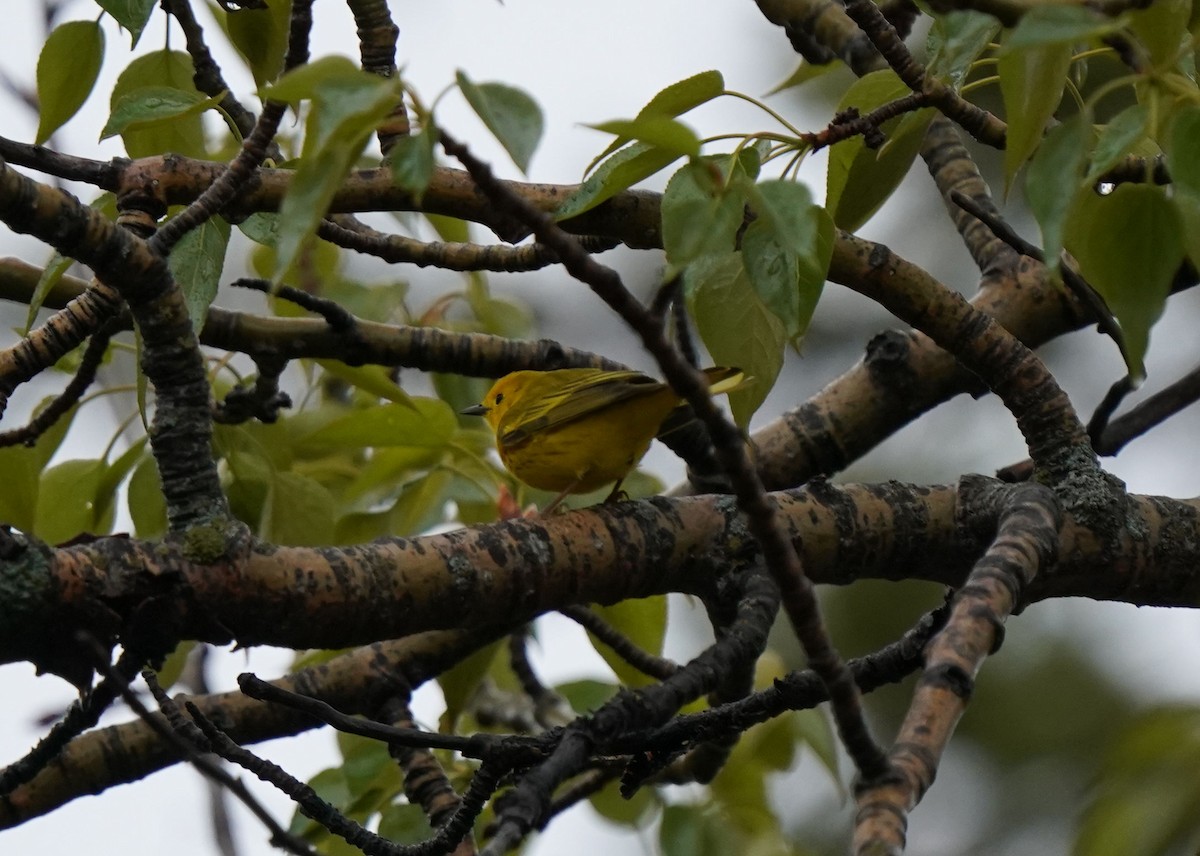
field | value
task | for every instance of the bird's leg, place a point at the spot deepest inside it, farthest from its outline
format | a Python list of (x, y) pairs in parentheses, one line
[(616, 495), (553, 505)]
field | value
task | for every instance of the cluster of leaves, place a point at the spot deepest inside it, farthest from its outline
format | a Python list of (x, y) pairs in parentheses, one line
[(1129, 240)]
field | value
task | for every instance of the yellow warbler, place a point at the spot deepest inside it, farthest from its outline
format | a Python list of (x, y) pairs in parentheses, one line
[(574, 430)]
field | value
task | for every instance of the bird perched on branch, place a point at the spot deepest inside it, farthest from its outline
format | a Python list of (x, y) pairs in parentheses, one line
[(575, 430)]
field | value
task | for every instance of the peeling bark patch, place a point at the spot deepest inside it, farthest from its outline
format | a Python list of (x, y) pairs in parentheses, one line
[(887, 350), (495, 546), (879, 257), (465, 578), (811, 429), (844, 514), (909, 524), (535, 554), (951, 678)]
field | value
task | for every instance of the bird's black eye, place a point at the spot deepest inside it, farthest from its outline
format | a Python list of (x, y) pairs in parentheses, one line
[(499, 397)]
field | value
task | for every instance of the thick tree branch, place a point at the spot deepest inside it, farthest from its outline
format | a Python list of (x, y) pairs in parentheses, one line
[(1057, 440), (605, 554), (182, 430)]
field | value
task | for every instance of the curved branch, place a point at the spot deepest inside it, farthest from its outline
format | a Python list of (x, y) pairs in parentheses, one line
[(353, 235), (955, 171), (61, 333), (93, 355), (182, 430), (1057, 440), (977, 122), (1025, 543)]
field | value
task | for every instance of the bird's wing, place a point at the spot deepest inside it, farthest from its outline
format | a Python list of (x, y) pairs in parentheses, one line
[(576, 398)]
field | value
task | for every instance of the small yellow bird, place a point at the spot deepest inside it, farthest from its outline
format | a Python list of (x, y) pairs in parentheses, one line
[(574, 430)]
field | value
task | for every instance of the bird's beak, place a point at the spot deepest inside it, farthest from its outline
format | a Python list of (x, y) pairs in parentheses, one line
[(475, 410)]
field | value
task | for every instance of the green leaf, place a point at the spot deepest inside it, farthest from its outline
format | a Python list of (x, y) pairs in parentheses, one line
[(48, 444), (956, 40), (299, 512), (804, 72), (412, 161), (372, 379), (450, 229), (460, 681), (67, 69), (404, 824), (145, 499), (684, 95), (740, 789), (130, 14), (1147, 797), (736, 327), (1183, 163), (154, 104), (1031, 83), (644, 622), (610, 804), (668, 134), (701, 213), (378, 481), (261, 37), (368, 767), (1162, 28), (814, 730), (183, 134), (111, 478), (1117, 138), (428, 424), (696, 831), (1060, 26), (750, 158), (420, 505), (511, 115), (21, 470), (786, 252), (1128, 245), (360, 527), (196, 263), (586, 695), (859, 179), (1187, 206), (620, 172), (174, 664), (304, 82), (52, 274), (347, 105), (1054, 178), (674, 100), (1183, 155), (330, 785), (261, 227), (67, 501)]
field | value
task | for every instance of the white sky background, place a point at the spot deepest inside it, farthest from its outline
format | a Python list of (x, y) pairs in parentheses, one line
[(587, 63)]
